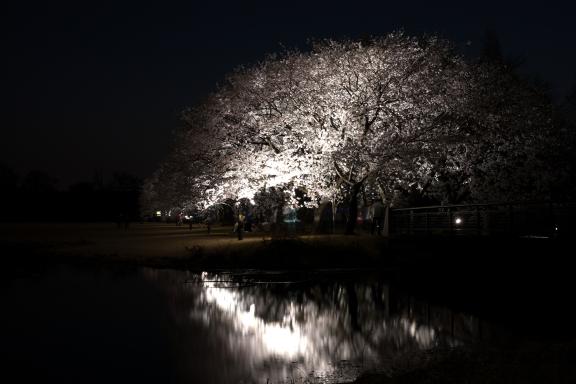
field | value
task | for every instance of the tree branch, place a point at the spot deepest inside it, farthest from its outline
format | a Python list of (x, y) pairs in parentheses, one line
[(340, 173)]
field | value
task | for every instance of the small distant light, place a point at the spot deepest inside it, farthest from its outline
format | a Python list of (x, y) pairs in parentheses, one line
[(458, 221), (158, 213), (187, 217), (556, 228)]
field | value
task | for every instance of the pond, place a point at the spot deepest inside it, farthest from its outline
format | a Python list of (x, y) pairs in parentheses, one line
[(149, 325)]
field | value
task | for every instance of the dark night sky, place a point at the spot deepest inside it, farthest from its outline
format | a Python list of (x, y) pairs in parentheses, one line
[(89, 86)]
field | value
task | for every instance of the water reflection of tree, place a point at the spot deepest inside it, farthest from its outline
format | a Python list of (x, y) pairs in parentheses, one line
[(331, 321)]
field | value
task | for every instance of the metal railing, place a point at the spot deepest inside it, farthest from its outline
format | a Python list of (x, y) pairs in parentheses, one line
[(519, 219)]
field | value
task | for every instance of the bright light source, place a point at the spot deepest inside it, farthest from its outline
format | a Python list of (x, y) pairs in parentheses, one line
[(458, 221), (158, 213), (187, 217)]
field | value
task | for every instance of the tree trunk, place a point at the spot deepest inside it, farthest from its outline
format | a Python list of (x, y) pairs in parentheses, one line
[(333, 207), (352, 208)]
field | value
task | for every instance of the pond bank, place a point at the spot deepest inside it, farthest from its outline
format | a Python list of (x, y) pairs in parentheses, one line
[(169, 246)]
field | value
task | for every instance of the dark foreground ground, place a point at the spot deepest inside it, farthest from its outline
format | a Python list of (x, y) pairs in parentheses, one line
[(524, 284)]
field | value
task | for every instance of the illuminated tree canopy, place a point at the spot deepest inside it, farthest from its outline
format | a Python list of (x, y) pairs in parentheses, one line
[(350, 118)]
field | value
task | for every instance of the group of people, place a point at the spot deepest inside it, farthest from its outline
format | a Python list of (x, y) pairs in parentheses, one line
[(376, 217), (180, 221)]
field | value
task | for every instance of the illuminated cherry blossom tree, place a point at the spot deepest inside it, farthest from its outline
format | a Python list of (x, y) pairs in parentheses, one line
[(340, 118), (348, 118)]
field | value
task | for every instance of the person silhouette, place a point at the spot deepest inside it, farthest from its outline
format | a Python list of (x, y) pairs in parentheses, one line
[(377, 213), (240, 225)]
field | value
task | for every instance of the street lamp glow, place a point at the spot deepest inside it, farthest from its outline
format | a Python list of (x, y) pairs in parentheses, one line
[(458, 221), (158, 213)]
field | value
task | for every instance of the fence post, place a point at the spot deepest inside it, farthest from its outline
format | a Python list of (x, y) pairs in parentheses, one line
[(411, 223), (450, 223), (386, 229)]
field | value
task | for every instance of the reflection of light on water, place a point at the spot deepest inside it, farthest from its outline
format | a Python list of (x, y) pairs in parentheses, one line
[(277, 334), (315, 336), (283, 339), (425, 336)]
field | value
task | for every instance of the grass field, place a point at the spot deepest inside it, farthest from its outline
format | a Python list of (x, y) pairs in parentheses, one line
[(159, 244), (168, 245)]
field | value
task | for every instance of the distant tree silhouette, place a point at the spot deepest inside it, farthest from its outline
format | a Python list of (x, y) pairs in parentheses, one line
[(38, 182), (492, 53), (8, 180), (565, 154), (122, 181), (82, 187), (125, 191), (98, 180), (37, 198)]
